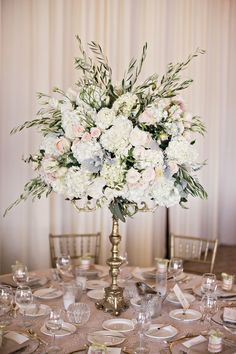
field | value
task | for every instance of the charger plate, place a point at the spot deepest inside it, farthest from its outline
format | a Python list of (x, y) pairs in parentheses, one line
[(157, 332), (36, 311)]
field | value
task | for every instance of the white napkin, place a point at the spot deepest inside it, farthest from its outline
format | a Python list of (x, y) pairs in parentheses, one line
[(194, 341), (16, 337), (229, 314), (109, 350)]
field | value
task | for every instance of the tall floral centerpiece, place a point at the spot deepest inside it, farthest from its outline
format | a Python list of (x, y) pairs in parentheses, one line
[(129, 146)]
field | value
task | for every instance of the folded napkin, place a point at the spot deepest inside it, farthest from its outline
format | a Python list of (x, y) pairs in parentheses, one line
[(13, 341), (229, 314), (194, 341)]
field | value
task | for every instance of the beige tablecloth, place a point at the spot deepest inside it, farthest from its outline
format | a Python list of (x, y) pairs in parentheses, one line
[(78, 339)]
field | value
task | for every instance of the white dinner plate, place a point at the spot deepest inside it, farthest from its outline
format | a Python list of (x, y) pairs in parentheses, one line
[(157, 331), (96, 294), (36, 311), (66, 330), (108, 338), (48, 293), (187, 316), (173, 298), (96, 284), (118, 324)]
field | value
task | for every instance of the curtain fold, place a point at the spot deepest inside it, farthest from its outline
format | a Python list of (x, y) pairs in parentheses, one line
[(38, 47)]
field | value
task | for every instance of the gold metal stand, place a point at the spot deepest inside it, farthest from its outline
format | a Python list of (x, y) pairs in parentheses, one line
[(113, 301)]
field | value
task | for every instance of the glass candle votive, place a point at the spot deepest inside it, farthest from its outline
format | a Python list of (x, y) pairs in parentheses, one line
[(227, 281), (215, 342), (98, 349)]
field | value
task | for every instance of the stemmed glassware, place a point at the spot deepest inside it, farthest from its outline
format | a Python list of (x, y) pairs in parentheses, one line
[(143, 323), (208, 306), (64, 264), (20, 274), (53, 324), (23, 298), (176, 267), (125, 262), (209, 284), (6, 301)]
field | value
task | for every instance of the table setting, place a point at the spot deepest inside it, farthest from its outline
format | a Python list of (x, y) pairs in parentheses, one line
[(177, 317)]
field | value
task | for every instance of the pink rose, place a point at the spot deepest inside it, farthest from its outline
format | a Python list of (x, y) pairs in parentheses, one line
[(173, 167), (180, 101), (95, 132), (139, 138), (62, 145), (148, 175), (86, 137)]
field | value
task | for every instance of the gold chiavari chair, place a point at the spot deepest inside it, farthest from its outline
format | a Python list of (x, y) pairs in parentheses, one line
[(76, 245), (197, 253)]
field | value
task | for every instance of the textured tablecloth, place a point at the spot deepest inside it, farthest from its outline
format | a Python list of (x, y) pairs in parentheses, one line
[(77, 340)]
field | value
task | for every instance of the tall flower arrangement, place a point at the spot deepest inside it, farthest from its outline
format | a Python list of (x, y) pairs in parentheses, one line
[(129, 146)]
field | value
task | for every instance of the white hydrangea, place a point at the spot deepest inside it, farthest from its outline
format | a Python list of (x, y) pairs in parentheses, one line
[(181, 151), (105, 118), (113, 173), (174, 128), (116, 139), (146, 158), (95, 189), (165, 193), (139, 137), (175, 112), (76, 182), (85, 150), (125, 104)]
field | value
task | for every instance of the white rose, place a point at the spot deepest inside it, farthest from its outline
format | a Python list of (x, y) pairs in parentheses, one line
[(132, 176), (139, 138)]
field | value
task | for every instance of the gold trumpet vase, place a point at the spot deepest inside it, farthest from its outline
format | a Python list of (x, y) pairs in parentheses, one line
[(113, 300)]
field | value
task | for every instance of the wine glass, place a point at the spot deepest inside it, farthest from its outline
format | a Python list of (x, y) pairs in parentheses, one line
[(209, 284), (143, 323), (64, 264), (53, 324), (20, 274), (6, 301), (176, 267), (208, 306), (23, 298)]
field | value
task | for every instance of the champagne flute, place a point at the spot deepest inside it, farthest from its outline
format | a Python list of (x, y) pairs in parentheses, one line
[(53, 324), (23, 298), (20, 274), (6, 301), (143, 323)]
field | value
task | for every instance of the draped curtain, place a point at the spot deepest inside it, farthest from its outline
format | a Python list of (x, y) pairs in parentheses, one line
[(38, 44)]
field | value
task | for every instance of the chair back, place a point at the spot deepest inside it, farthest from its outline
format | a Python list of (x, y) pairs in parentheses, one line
[(194, 250), (76, 245)]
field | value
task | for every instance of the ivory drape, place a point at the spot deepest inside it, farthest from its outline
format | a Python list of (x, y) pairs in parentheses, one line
[(37, 49)]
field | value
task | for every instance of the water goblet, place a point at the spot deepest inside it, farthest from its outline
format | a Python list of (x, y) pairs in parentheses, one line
[(20, 274), (208, 306), (64, 264), (23, 298), (53, 324), (209, 284), (6, 301), (176, 267)]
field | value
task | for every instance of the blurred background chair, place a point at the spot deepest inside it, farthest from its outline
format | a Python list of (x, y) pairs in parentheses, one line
[(76, 245), (198, 254)]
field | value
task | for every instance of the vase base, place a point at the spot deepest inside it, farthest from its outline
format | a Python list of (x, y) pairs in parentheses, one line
[(113, 301)]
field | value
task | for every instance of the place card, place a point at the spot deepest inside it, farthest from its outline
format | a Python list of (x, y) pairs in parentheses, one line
[(194, 341), (229, 314), (108, 350), (16, 337), (180, 296)]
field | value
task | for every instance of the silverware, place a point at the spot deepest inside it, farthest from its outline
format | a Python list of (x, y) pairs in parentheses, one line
[(32, 333)]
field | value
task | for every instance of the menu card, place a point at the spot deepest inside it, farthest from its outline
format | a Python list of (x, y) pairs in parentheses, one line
[(229, 314)]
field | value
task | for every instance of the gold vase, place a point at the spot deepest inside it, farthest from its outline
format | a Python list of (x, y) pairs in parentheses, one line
[(113, 301)]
